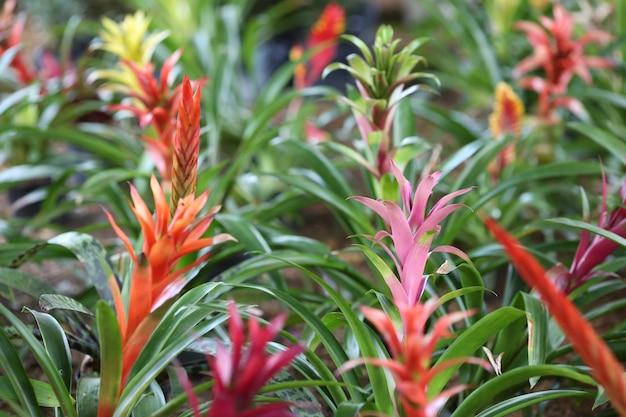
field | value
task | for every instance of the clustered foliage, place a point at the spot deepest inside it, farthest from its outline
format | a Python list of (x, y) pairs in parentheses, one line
[(417, 242)]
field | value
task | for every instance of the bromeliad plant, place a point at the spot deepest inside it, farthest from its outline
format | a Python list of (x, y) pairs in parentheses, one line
[(422, 316)]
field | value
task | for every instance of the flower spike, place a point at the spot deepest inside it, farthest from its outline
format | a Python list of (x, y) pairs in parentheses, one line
[(186, 144)]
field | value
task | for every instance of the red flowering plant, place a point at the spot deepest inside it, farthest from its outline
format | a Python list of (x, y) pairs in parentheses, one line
[(322, 42), (560, 56), (592, 252), (241, 371)]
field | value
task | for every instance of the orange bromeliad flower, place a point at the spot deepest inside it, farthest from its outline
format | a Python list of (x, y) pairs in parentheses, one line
[(171, 232), (155, 278), (505, 119), (323, 37)]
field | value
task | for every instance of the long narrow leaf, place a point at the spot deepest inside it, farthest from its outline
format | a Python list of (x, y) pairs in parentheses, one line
[(56, 345), (484, 395), (14, 369), (110, 358)]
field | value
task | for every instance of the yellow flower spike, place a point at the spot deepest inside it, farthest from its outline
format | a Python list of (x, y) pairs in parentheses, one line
[(507, 113), (506, 118), (128, 40)]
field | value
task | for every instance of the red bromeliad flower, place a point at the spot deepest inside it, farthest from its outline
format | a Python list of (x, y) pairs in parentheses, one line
[(323, 38), (560, 56), (156, 102), (412, 232), (411, 350), (155, 278), (591, 254), (605, 368), (240, 372)]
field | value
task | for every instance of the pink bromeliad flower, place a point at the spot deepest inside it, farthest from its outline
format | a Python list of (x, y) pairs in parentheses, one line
[(412, 231), (592, 252), (560, 56), (241, 371)]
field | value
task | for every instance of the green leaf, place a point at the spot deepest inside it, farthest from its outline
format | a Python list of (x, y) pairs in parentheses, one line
[(537, 317), (459, 220), (12, 365), (603, 138), (56, 345), (290, 391), (477, 335), (145, 375), (66, 402), (87, 393), (356, 221), (43, 392), (94, 185), (110, 338), (24, 173), (93, 257), (149, 403), (577, 224), (25, 282), (601, 398), (484, 394), (505, 408), (470, 277), (49, 302)]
